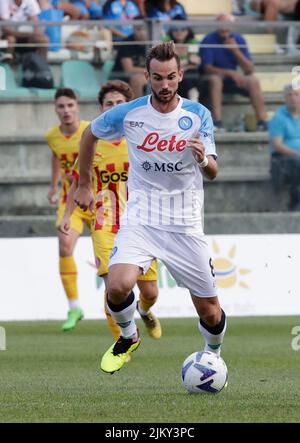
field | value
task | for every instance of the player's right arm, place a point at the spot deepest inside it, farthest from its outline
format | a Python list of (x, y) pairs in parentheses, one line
[(69, 209), (55, 178)]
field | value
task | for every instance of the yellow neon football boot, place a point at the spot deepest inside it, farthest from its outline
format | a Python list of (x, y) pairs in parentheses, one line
[(117, 355)]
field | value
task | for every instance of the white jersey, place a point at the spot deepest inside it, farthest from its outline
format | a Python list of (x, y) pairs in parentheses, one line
[(165, 182)]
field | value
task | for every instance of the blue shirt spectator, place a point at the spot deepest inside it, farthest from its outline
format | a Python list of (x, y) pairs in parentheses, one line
[(283, 124), (284, 131), (90, 9), (121, 10), (226, 52), (166, 10), (222, 57)]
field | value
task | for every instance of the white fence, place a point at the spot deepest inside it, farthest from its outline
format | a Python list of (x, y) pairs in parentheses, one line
[(256, 274)]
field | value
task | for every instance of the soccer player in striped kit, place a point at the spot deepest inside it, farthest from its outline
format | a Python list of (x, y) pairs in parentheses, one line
[(109, 176)]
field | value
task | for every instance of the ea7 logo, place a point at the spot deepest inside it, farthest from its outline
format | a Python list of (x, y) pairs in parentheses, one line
[(136, 124), (295, 343)]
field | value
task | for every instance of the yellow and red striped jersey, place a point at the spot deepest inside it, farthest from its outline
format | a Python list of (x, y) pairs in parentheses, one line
[(66, 149), (109, 177)]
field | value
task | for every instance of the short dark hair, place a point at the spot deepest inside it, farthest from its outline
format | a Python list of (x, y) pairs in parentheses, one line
[(115, 86), (65, 92), (162, 52)]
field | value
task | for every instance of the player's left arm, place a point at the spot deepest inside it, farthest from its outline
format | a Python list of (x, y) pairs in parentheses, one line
[(207, 164), (83, 196), (107, 126)]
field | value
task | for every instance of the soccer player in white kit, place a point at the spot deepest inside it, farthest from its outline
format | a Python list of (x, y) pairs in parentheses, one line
[(170, 146)]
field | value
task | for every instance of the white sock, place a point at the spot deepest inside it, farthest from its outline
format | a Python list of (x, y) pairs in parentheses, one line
[(74, 304), (123, 315), (213, 342)]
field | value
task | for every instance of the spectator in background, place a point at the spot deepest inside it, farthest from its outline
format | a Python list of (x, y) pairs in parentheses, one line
[(70, 10), (142, 7), (221, 64), (270, 9), (284, 132), (88, 9), (165, 10), (130, 61), (20, 11), (184, 39), (121, 10)]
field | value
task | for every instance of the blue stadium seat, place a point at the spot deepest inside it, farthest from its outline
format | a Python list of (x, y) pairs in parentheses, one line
[(80, 76), (12, 89)]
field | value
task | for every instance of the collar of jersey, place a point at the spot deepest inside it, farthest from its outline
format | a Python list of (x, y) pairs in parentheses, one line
[(168, 114)]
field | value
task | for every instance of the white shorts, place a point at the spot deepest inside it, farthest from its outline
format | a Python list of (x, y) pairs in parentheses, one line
[(186, 257)]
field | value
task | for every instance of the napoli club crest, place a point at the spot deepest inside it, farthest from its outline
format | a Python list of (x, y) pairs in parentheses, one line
[(185, 123)]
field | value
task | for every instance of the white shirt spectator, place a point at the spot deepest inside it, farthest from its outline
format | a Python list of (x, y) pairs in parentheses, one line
[(10, 11)]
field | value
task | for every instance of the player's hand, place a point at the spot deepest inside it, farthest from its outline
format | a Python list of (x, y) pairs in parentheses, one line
[(197, 148), (65, 225), (52, 196), (84, 198)]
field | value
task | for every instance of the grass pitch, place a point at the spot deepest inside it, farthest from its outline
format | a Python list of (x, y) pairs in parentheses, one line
[(50, 376)]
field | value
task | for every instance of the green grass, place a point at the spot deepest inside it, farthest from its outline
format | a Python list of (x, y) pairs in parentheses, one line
[(49, 376)]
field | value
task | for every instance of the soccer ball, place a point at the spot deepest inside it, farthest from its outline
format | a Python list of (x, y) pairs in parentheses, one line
[(204, 372)]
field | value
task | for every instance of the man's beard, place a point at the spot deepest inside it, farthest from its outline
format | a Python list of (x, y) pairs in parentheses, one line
[(164, 99)]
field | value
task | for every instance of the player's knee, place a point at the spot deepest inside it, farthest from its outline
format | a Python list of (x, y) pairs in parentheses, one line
[(118, 291), (65, 249)]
